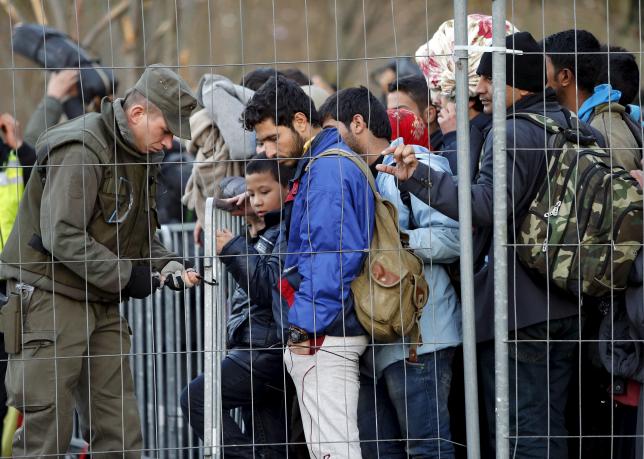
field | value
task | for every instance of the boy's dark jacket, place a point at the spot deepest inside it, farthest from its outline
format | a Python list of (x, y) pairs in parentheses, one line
[(256, 272)]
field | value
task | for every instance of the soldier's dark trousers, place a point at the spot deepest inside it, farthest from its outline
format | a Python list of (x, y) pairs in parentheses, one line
[(74, 356)]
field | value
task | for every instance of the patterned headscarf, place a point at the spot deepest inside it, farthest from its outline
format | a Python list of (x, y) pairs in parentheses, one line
[(435, 58), (406, 124)]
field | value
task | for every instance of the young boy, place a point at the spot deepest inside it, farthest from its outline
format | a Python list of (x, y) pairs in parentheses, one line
[(252, 371)]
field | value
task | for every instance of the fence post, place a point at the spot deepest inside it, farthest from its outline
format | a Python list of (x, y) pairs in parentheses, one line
[(465, 230), (212, 364), (502, 409)]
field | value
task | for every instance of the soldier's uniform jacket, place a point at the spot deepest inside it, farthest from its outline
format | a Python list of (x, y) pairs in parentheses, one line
[(88, 213)]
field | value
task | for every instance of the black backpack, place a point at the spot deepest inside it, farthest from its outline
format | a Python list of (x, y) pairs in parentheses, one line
[(54, 50)]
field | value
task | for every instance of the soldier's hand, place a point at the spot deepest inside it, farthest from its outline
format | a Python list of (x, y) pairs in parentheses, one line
[(142, 282), (178, 276), (191, 277), (406, 162), (180, 280)]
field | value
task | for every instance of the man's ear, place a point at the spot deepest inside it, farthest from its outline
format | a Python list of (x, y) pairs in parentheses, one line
[(135, 114), (430, 114), (300, 123), (358, 125), (565, 77)]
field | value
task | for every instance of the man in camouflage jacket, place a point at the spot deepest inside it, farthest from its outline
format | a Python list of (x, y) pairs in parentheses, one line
[(539, 372)]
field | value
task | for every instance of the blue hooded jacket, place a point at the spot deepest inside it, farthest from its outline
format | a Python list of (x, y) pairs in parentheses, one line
[(330, 212)]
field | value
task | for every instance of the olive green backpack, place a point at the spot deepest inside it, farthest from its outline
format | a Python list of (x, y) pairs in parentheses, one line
[(390, 292), (584, 228)]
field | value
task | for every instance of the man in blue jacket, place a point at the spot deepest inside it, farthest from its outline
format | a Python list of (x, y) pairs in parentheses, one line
[(410, 398), (330, 217)]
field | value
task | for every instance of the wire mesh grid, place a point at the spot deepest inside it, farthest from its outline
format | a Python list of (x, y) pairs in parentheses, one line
[(526, 224)]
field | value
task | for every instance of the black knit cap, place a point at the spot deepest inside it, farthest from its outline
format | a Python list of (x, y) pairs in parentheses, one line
[(523, 71)]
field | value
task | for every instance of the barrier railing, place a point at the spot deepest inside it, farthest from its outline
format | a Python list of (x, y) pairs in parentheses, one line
[(215, 325), (167, 353)]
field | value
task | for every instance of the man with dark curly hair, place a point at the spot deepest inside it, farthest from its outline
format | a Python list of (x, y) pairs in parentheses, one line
[(329, 220)]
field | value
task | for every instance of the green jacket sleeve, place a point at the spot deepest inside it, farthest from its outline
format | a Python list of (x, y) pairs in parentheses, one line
[(68, 202), (46, 116), (160, 255)]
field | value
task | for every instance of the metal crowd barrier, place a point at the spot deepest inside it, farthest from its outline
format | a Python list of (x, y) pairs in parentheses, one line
[(177, 336), (167, 353), (215, 312)]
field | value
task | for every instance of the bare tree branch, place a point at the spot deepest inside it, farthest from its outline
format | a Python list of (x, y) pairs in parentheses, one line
[(112, 15), (11, 10), (39, 12), (57, 14)]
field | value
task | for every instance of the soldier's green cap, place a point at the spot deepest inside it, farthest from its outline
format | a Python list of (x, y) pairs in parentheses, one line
[(168, 91)]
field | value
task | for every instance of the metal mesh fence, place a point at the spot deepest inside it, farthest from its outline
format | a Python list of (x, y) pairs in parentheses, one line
[(376, 228)]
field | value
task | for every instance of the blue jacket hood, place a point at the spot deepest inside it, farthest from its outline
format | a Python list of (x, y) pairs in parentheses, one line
[(603, 94)]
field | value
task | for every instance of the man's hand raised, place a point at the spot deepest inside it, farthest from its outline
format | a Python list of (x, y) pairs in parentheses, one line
[(406, 162)]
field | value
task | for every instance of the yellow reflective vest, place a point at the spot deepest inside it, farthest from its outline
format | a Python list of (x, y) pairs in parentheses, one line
[(11, 188)]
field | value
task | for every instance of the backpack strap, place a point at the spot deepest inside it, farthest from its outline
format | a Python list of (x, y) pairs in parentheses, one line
[(633, 127), (574, 132), (540, 120), (614, 107), (362, 165), (358, 161)]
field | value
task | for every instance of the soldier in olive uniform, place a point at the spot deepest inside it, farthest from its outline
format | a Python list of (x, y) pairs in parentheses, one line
[(84, 240)]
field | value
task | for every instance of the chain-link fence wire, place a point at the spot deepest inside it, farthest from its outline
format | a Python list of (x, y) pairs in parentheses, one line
[(353, 40)]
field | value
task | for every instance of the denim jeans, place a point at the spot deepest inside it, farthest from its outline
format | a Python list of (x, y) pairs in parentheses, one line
[(537, 370), (404, 414), (262, 405)]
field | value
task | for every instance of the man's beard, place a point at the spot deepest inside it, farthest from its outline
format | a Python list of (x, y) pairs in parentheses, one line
[(298, 150), (299, 144), (352, 143)]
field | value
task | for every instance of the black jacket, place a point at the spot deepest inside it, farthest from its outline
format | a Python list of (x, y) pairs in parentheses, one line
[(621, 345), (479, 127), (26, 157), (436, 140), (529, 302), (256, 272)]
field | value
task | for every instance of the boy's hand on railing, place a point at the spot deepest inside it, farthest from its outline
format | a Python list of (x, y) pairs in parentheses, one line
[(238, 205), (222, 238)]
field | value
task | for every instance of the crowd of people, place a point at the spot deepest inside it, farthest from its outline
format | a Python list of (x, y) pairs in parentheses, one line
[(307, 166)]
